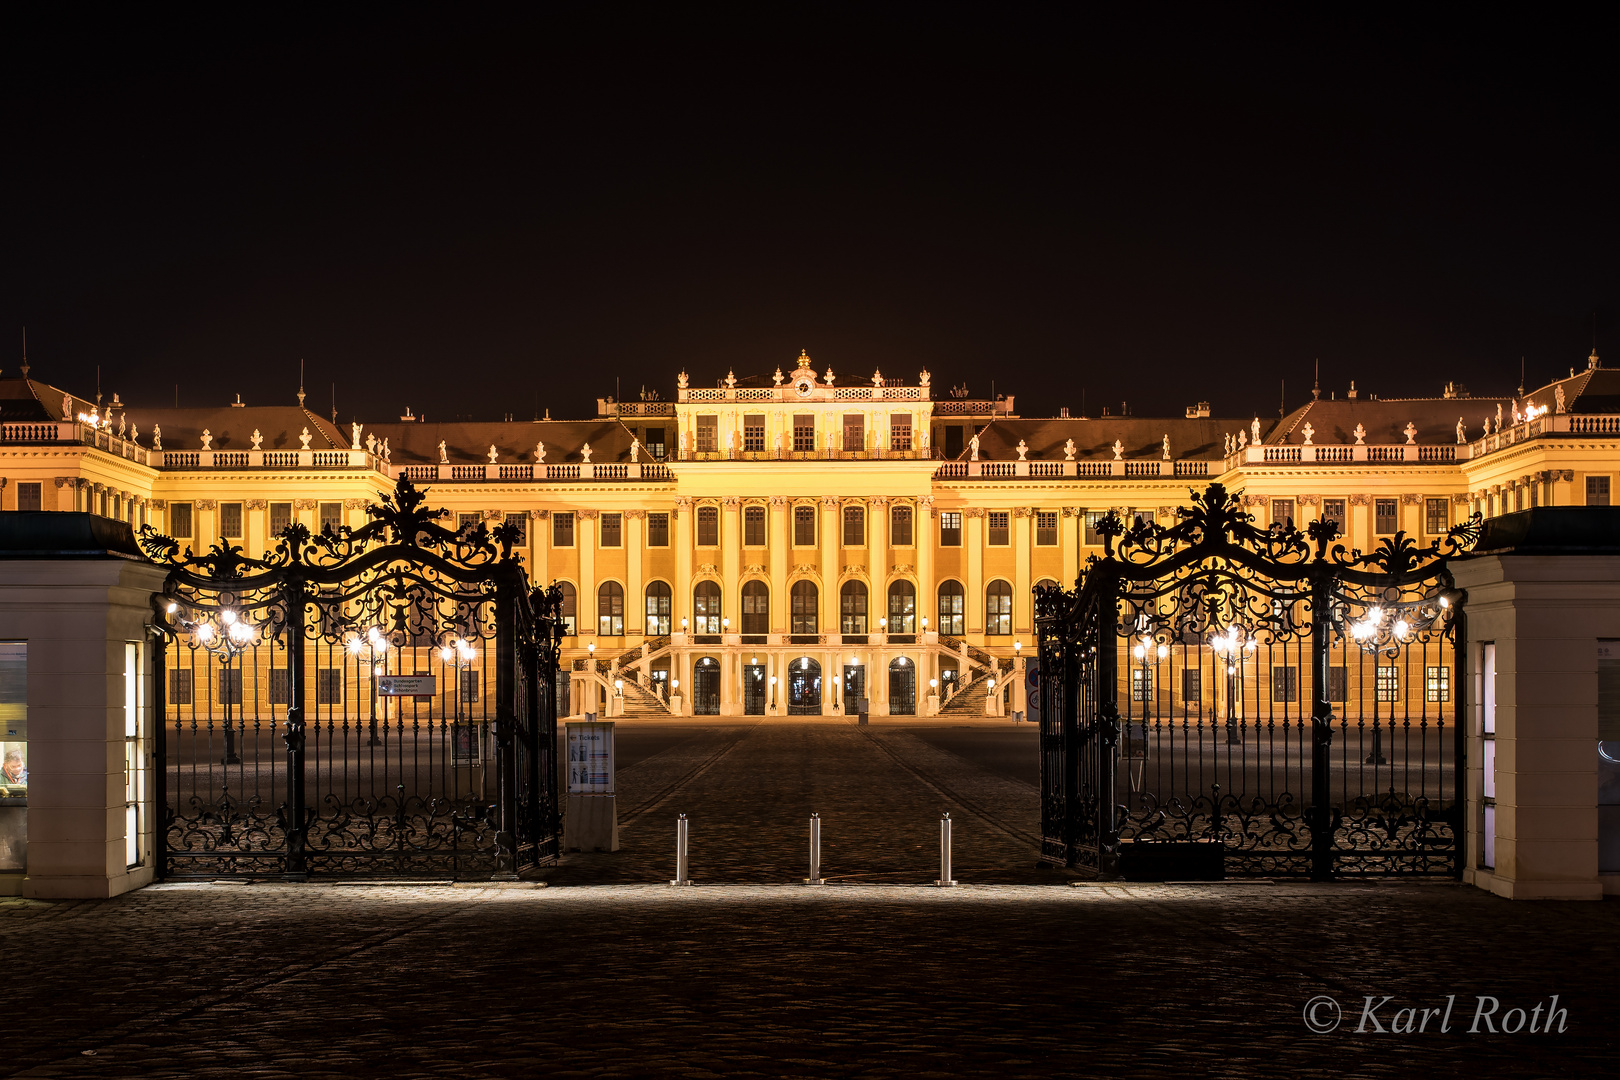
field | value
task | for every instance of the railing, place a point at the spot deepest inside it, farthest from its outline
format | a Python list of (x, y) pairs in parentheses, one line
[(1142, 468), (951, 470), (562, 472), (1093, 468), (420, 472), (181, 459), (1046, 468), (266, 459), (755, 393), (34, 432), (656, 470), (1191, 468), (1334, 455), (517, 472), (1594, 425), (1282, 453), (644, 408), (72, 431), (281, 458), (1386, 454), (329, 458), (231, 458), (1437, 453), (996, 468), (467, 472), (972, 407), (611, 472), (705, 394)]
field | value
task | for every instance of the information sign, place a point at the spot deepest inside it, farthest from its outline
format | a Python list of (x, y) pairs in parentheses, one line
[(590, 759), (406, 685)]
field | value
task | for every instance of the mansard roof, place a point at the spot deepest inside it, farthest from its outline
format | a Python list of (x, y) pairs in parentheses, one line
[(514, 441), (24, 400), (232, 428), (1385, 420), (1142, 437)]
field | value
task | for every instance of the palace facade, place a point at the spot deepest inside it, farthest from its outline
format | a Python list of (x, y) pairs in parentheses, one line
[(803, 542)]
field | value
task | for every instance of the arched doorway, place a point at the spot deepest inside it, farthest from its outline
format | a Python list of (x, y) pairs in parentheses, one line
[(902, 687), (804, 687), (706, 687)]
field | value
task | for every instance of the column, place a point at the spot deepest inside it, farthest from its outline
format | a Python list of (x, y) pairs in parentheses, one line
[(539, 547), (1022, 539), (731, 561), (973, 543), (877, 557), (925, 534), (255, 526), (635, 553), (827, 538), (1074, 520), (776, 539), (585, 539), (681, 608)]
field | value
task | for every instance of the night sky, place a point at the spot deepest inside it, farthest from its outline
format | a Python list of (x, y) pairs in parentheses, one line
[(479, 217)]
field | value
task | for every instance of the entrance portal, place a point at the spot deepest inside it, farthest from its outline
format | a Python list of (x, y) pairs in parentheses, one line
[(804, 687), (902, 687), (854, 688), (754, 689), (706, 687)]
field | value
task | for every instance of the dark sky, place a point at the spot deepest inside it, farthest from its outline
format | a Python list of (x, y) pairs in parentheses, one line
[(470, 216)]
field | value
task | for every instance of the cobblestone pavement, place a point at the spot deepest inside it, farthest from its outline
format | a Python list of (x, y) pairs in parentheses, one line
[(872, 980)]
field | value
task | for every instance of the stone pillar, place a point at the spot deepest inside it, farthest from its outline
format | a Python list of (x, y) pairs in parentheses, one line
[(635, 555), (973, 542), (585, 541), (877, 557), (539, 547), (681, 602), (776, 539), (925, 533), (1074, 521), (731, 561), (828, 539), (1023, 538)]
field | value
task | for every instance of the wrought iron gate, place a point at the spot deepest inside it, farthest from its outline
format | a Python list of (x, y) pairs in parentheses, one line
[(1218, 697), (378, 701)]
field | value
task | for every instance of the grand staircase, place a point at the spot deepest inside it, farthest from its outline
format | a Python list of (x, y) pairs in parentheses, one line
[(969, 701), (640, 704)]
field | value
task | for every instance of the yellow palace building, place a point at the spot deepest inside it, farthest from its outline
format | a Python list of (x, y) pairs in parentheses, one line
[(809, 541)]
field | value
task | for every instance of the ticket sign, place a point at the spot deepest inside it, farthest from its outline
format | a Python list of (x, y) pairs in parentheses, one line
[(590, 759), (406, 685)]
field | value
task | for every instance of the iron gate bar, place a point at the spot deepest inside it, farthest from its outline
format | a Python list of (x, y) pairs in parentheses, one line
[(409, 586), (1211, 571)]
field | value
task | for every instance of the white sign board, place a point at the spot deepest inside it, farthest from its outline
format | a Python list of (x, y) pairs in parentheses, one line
[(406, 685), (590, 759)]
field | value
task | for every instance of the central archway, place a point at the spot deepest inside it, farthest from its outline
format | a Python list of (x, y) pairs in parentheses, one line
[(804, 687)]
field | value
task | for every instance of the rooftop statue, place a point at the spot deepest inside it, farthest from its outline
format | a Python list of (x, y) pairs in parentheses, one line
[(877, 376), (67, 406), (304, 438), (207, 438), (539, 453), (1558, 394), (1310, 433), (635, 450), (444, 459), (355, 441), (157, 436), (371, 442), (120, 425), (494, 454), (1068, 450), (681, 380), (257, 438), (1119, 449), (1167, 448), (1255, 429), (1360, 433), (385, 452), (973, 448), (585, 452), (1022, 448), (777, 378), (1462, 431), (1410, 431), (731, 379), (828, 378), (923, 377)]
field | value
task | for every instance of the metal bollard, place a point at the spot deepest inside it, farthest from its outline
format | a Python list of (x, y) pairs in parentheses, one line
[(815, 877), (680, 853), (945, 852)]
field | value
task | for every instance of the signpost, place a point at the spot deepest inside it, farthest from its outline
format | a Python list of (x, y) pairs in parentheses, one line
[(591, 821), (424, 686)]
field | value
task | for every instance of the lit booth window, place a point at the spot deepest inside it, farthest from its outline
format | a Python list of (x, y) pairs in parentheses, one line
[(13, 755)]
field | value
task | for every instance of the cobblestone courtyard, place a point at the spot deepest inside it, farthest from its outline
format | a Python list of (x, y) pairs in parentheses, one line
[(603, 973)]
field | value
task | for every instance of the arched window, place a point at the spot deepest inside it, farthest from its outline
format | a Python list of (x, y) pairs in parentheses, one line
[(659, 598), (610, 609), (1046, 583), (570, 605), (852, 608), (952, 605), (806, 599), (756, 608), (706, 608), (998, 608), (902, 608)]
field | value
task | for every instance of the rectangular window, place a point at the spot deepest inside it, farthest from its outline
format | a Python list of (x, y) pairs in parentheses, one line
[(280, 517), (657, 530), (804, 526), (180, 520), (1437, 683), (179, 686), (1192, 686), (1337, 685), (997, 529), (900, 431), (331, 516), (1141, 684), (854, 431), (230, 520), (1046, 523), (950, 528), (708, 434), (1487, 704), (329, 686), (804, 433), (518, 526), (854, 526), (754, 526), (469, 686), (29, 497), (135, 757), (1333, 510), (754, 433), (1436, 516), (656, 446), (13, 755), (708, 526), (1282, 511), (612, 531), (1389, 682), (466, 524), (562, 530), (1093, 537), (229, 686), (1597, 491), (1387, 516), (900, 526), (1284, 682), (280, 687)]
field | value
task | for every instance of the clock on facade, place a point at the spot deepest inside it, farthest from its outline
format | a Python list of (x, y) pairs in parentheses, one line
[(804, 384)]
